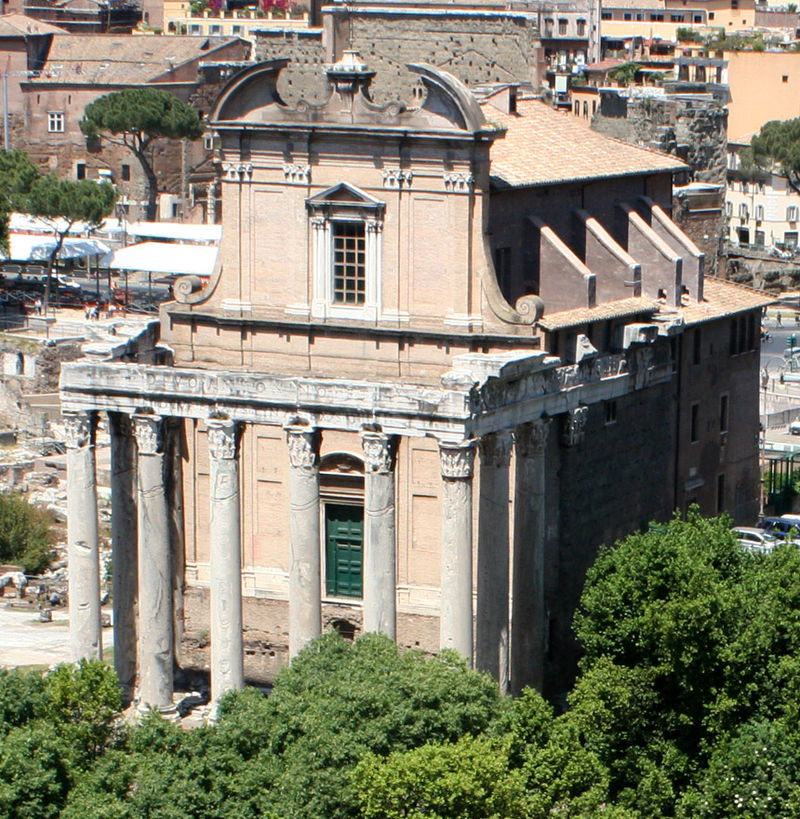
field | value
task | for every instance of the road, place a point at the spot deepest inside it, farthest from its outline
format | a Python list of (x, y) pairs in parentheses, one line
[(26, 641)]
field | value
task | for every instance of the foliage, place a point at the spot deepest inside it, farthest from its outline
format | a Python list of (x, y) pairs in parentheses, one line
[(26, 533), (17, 174), (688, 35), (754, 774), (339, 701), (624, 74), (778, 143), (20, 697), (468, 779), (135, 118)]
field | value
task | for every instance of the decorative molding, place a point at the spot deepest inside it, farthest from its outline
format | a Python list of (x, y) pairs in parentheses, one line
[(374, 225), (303, 444), (237, 171), (457, 460), (296, 174), (222, 435), (79, 429), (147, 429), (495, 449), (575, 426), (459, 181), (379, 451), (530, 439), (318, 222), (395, 178)]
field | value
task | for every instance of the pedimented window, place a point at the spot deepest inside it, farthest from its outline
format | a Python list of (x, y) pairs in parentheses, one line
[(347, 225)]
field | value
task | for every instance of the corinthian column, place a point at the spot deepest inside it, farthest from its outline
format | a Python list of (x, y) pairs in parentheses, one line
[(491, 639), (156, 647), (529, 616), (305, 606), (123, 548), (82, 541), (380, 562), (456, 596), (227, 670)]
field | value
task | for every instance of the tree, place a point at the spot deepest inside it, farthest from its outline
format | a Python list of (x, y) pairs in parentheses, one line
[(26, 533), (17, 175), (468, 779), (135, 118), (62, 203), (778, 143)]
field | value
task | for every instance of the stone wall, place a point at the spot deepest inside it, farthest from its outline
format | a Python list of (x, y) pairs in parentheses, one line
[(477, 47)]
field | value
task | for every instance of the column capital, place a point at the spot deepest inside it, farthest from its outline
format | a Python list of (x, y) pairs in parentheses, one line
[(495, 449), (303, 444), (457, 459), (147, 429), (378, 451), (222, 435), (79, 429), (531, 439)]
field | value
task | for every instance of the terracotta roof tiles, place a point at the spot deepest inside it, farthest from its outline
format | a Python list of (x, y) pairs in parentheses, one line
[(543, 146), (119, 59)]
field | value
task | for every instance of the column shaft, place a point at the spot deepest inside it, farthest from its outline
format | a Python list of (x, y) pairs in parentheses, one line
[(156, 649), (491, 639), (125, 578), (380, 547), (456, 557), (529, 615), (227, 649), (82, 539), (305, 605)]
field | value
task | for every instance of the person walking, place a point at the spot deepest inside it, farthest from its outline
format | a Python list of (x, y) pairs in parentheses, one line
[(778, 319)]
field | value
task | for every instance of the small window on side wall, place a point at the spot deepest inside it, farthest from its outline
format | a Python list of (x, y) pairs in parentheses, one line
[(125, 173)]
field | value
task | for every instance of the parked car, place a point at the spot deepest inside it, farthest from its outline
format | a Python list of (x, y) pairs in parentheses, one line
[(781, 527), (794, 427), (755, 540)]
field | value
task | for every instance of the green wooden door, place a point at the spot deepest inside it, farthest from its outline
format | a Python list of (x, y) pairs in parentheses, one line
[(344, 538)]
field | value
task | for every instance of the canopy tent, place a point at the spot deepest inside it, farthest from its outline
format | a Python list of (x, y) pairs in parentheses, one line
[(162, 257), (176, 231), (28, 247)]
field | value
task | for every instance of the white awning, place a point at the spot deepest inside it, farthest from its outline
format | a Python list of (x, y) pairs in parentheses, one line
[(162, 257), (177, 231), (28, 247)]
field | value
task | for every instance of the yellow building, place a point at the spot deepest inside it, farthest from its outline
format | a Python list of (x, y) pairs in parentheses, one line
[(179, 19)]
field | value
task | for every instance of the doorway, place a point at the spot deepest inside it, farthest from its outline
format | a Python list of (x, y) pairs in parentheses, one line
[(344, 542)]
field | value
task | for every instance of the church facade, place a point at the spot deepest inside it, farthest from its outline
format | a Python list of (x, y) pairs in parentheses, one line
[(448, 351)]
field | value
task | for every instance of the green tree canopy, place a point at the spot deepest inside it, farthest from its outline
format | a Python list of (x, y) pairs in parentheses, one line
[(26, 533), (778, 144), (17, 175), (135, 118)]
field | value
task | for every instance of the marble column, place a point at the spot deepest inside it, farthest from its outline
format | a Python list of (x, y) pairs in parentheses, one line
[(305, 605), (380, 546), (156, 648), (456, 576), (529, 615), (125, 578), (491, 639), (227, 649), (83, 552)]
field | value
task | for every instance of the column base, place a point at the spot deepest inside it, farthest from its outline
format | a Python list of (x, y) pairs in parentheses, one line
[(168, 712)]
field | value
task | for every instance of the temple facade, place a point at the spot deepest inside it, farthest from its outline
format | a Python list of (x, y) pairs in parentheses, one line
[(449, 349)]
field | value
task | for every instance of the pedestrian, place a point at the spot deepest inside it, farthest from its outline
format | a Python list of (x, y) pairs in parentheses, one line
[(37, 306), (778, 319)]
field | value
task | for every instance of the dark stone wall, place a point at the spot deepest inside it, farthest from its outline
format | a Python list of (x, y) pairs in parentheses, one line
[(615, 482)]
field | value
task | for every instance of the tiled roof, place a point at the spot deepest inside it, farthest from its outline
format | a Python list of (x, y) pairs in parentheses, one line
[(118, 59), (603, 65), (622, 308), (20, 25), (543, 146), (722, 298), (634, 4)]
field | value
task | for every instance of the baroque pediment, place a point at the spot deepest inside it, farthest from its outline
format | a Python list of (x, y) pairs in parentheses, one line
[(252, 98)]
